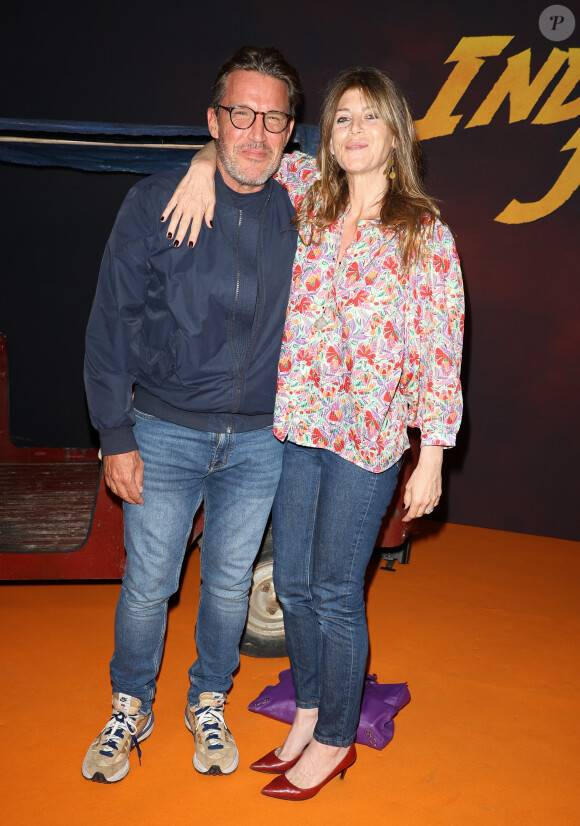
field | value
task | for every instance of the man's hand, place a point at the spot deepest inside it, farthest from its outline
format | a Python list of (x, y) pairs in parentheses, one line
[(124, 475), (194, 198), (423, 490)]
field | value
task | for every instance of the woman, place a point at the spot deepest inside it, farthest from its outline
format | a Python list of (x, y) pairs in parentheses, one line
[(372, 344)]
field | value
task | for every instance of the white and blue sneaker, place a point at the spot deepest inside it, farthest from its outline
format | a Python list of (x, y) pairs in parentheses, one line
[(215, 748), (107, 760)]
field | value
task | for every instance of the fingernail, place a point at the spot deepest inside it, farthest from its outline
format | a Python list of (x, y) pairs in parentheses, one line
[(211, 224), (176, 243), (170, 235), (190, 245), (162, 218)]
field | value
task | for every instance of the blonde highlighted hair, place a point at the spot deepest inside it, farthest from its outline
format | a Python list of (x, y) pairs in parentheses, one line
[(405, 206)]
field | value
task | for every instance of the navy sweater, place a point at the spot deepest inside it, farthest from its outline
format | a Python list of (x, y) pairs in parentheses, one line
[(195, 333)]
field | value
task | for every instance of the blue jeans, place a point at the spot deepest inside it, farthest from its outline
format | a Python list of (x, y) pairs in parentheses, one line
[(235, 474), (326, 517)]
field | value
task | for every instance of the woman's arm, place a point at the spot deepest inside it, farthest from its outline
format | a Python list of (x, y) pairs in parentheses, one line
[(423, 490), (194, 198), (297, 173), (435, 337)]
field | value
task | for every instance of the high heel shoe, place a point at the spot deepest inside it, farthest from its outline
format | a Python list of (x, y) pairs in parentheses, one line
[(281, 787), (271, 764)]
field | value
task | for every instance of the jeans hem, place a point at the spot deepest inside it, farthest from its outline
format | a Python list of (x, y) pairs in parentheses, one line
[(213, 690), (307, 705), (333, 741), (146, 705)]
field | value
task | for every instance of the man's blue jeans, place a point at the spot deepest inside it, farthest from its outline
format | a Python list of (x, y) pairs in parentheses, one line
[(326, 517), (235, 474)]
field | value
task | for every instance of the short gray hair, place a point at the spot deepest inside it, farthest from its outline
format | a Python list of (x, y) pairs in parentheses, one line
[(266, 60)]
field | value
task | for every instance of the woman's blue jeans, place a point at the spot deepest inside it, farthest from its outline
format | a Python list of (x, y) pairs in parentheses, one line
[(235, 474), (326, 517)]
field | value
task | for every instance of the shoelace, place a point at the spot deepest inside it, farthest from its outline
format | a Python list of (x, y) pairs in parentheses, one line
[(209, 719), (119, 724)]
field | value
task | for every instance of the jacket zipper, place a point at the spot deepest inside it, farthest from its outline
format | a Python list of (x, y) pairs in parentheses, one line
[(241, 373), (238, 381)]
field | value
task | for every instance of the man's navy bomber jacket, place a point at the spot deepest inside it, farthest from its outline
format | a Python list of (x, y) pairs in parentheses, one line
[(195, 334)]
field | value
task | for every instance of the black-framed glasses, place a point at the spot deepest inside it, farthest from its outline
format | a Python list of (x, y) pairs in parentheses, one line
[(242, 117)]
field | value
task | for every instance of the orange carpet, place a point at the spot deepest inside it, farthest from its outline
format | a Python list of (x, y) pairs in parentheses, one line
[(482, 624)]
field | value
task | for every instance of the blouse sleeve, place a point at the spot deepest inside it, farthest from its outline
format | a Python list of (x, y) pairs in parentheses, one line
[(297, 173), (434, 341)]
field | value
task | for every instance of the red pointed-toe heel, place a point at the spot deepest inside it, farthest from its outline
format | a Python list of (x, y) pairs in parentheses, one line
[(270, 764), (282, 788)]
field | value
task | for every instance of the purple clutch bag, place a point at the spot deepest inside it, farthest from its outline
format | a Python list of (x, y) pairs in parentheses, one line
[(380, 703)]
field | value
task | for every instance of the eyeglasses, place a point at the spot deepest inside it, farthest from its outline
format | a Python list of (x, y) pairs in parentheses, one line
[(242, 117)]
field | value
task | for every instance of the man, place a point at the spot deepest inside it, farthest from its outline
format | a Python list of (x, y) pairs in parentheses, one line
[(180, 371)]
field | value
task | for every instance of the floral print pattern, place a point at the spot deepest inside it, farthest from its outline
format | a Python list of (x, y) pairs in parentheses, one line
[(369, 348)]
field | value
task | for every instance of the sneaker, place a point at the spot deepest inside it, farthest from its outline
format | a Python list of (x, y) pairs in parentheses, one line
[(215, 748), (107, 760)]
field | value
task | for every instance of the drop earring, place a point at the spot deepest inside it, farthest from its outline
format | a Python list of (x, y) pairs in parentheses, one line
[(389, 171)]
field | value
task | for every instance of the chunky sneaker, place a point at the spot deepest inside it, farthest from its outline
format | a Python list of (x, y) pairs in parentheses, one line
[(215, 748), (107, 760)]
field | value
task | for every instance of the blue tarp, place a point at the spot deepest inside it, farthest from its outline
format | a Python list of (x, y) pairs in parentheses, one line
[(114, 147)]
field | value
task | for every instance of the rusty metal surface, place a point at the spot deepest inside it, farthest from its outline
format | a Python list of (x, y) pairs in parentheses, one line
[(57, 518), (46, 507)]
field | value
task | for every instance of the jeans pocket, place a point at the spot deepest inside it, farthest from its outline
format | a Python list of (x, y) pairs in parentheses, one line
[(148, 416)]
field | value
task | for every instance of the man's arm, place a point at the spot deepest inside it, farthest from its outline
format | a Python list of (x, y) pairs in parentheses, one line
[(124, 475), (112, 344)]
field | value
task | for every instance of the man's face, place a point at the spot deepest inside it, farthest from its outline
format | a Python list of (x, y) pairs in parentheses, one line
[(247, 158)]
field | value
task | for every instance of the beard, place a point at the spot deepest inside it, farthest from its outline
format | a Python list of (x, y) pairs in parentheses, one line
[(244, 172)]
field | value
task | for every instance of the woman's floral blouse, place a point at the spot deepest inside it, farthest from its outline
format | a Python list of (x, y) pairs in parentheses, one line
[(368, 348)]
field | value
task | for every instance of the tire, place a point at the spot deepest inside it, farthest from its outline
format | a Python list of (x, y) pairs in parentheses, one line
[(264, 632)]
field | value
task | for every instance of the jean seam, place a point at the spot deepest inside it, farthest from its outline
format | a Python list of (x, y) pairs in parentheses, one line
[(160, 646), (349, 699), (312, 528), (307, 539), (222, 464)]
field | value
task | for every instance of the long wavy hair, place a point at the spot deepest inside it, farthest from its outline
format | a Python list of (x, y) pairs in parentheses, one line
[(405, 206)]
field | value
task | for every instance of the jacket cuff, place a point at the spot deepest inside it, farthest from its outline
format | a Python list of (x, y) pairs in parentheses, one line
[(117, 440)]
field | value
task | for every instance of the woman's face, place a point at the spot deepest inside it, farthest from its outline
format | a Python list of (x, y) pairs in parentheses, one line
[(361, 142)]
